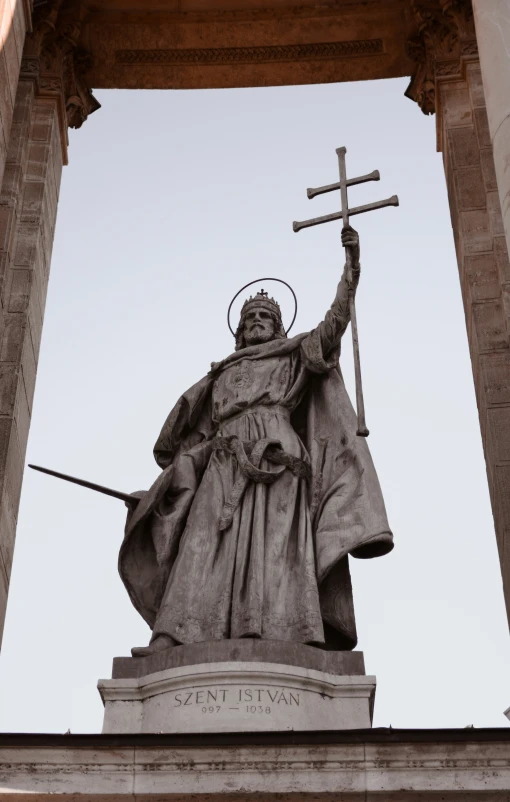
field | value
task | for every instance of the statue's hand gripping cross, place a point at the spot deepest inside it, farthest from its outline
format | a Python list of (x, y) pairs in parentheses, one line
[(344, 215)]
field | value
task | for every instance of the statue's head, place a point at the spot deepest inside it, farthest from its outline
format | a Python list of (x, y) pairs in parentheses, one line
[(261, 321)]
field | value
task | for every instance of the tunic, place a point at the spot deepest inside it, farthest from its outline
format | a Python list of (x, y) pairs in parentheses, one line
[(257, 578)]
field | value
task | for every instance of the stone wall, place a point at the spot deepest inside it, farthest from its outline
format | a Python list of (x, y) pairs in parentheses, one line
[(485, 280), (492, 19), (369, 766), (45, 70), (15, 20), (448, 81), (28, 209)]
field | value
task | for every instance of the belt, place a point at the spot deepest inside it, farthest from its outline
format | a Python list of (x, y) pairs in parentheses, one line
[(260, 409), (268, 448)]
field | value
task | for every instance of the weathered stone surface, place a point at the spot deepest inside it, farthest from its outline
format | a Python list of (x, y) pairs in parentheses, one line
[(50, 93), (483, 267), (25, 251), (490, 326), (237, 697), (370, 766), (215, 687), (226, 44), (492, 21), (482, 276), (14, 22), (244, 649), (496, 377)]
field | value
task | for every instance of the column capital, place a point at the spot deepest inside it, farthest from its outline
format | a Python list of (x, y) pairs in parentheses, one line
[(442, 41), (54, 60)]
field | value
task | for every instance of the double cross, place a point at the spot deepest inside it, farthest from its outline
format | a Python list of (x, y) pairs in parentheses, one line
[(344, 215)]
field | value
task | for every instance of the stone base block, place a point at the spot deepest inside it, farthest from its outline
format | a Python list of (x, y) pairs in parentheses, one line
[(244, 650), (237, 697)]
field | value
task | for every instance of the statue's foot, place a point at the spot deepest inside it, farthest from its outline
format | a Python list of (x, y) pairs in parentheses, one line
[(157, 645)]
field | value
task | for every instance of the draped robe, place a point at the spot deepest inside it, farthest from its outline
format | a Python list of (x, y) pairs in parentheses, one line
[(211, 553)]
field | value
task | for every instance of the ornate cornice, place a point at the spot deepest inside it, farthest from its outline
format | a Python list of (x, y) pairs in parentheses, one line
[(444, 39), (58, 66)]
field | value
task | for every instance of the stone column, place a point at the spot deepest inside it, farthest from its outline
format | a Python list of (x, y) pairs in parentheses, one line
[(50, 96), (15, 22), (448, 81), (492, 19)]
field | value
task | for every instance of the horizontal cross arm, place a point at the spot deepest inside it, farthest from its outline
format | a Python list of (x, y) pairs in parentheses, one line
[(369, 207), (375, 176)]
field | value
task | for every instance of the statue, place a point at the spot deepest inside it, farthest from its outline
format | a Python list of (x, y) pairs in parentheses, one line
[(265, 491), (267, 484)]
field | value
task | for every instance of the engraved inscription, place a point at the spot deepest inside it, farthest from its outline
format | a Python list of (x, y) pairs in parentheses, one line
[(245, 699)]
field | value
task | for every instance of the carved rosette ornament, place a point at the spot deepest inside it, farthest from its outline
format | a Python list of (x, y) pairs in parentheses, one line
[(444, 39), (58, 65)]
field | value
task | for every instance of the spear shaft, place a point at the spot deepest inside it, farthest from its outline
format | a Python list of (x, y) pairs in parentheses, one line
[(107, 491)]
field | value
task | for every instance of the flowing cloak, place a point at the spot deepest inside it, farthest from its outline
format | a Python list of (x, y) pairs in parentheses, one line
[(345, 501)]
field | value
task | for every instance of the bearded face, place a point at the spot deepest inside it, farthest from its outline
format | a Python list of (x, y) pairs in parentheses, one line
[(259, 326)]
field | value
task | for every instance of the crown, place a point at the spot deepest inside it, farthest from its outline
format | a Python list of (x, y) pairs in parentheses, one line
[(262, 299)]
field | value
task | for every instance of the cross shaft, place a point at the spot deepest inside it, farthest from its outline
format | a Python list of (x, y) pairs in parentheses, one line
[(344, 215)]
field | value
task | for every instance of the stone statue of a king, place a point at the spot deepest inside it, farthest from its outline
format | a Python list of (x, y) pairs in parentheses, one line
[(264, 492)]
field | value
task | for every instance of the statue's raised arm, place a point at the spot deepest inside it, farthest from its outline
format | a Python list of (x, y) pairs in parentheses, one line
[(337, 317)]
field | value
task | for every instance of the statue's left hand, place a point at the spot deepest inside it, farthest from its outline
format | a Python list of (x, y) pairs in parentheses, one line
[(350, 241), (137, 495)]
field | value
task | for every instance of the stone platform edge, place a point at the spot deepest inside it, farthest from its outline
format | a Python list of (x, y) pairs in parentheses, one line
[(371, 765), (246, 650), (157, 740)]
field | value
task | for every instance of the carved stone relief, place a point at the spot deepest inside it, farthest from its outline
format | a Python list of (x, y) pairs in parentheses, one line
[(227, 55), (57, 64), (444, 38)]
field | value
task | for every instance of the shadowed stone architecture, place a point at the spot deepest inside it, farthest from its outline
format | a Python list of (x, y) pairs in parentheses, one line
[(457, 55)]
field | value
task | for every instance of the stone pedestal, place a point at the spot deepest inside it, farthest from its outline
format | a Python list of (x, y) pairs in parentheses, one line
[(238, 686)]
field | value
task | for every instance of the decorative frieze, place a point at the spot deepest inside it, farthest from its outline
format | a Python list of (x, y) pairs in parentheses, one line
[(255, 55)]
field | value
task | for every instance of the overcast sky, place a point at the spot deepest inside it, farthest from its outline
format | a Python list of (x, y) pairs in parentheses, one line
[(171, 202)]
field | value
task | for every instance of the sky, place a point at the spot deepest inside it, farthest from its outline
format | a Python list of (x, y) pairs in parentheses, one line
[(170, 203)]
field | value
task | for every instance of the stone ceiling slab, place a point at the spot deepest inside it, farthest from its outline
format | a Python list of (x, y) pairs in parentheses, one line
[(193, 44)]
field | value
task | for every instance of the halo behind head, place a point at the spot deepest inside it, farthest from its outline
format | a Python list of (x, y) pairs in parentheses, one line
[(261, 299)]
